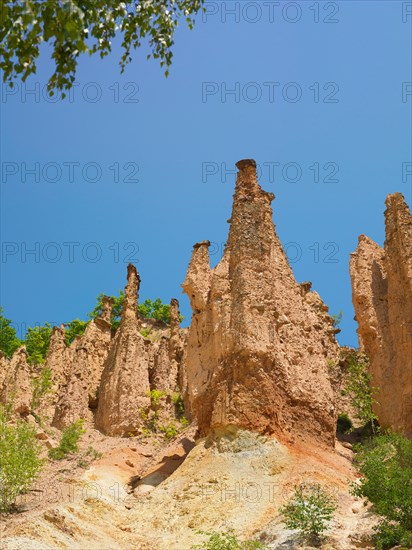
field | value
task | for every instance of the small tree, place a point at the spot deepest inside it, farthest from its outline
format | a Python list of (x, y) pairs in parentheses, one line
[(20, 461), (8, 338), (385, 463), (117, 306), (310, 510), (360, 389), (38, 342), (73, 329), (149, 309)]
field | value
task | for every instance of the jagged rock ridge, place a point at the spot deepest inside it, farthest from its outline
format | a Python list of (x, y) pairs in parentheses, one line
[(103, 376), (259, 342), (382, 298)]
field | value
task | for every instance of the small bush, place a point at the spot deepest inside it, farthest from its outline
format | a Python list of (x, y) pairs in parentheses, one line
[(385, 463), (69, 440), (361, 392), (169, 431), (309, 510), (74, 329), (20, 463), (9, 342), (344, 424), (155, 396), (227, 541), (37, 343)]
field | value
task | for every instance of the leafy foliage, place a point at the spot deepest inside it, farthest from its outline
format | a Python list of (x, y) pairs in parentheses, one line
[(337, 318), (73, 329), (309, 510), (151, 424), (69, 440), (20, 462), (117, 306), (41, 386), (38, 342), (155, 397), (8, 339), (149, 309), (155, 309), (385, 463), (227, 541), (360, 389), (76, 27)]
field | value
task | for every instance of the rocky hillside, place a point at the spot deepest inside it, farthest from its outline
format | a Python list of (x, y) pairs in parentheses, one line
[(210, 428)]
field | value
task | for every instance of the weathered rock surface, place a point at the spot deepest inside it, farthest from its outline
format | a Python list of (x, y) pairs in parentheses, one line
[(259, 342), (17, 384), (382, 298), (124, 388), (84, 362)]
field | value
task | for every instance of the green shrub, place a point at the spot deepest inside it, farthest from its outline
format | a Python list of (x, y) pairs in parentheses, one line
[(149, 309), (385, 463), (179, 405), (74, 329), (9, 342), (69, 440), (344, 423), (117, 306), (37, 343), (359, 387), (309, 510), (20, 461), (41, 386), (169, 431), (155, 309), (155, 396), (227, 541)]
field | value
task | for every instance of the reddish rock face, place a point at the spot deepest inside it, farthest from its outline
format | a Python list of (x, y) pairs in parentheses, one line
[(382, 298), (259, 342)]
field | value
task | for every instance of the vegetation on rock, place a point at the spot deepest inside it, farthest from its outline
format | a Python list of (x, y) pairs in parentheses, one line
[(227, 541), (309, 510), (69, 441), (74, 329), (37, 343), (42, 384), (8, 337), (385, 463), (359, 387), (20, 458)]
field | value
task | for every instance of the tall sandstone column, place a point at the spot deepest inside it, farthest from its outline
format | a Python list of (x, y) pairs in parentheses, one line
[(382, 298), (259, 343), (124, 387)]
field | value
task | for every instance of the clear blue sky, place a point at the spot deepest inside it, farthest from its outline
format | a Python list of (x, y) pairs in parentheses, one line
[(313, 100)]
